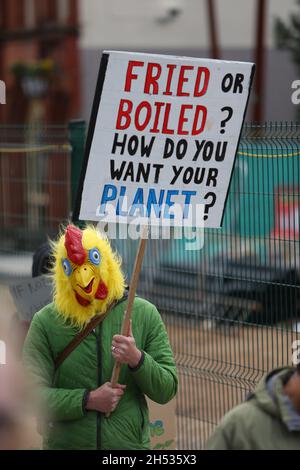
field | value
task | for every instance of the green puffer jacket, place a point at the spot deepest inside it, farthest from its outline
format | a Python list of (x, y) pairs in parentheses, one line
[(266, 421), (62, 392)]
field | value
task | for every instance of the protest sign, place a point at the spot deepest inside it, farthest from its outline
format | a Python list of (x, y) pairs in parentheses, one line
[(31, 295), (162, 139)]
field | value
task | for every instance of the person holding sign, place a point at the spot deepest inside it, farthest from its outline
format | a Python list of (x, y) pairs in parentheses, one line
[(72, 343)]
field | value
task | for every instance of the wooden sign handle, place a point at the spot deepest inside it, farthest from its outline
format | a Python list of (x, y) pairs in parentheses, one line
[(132, 289)]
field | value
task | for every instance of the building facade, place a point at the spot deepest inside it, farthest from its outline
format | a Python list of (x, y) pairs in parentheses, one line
[(38, 39), (181, 27)]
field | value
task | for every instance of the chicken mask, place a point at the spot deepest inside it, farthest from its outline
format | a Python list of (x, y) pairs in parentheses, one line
[(87, 275)]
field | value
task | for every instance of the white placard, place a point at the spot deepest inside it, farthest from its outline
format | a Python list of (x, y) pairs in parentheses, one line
[(162, 140)]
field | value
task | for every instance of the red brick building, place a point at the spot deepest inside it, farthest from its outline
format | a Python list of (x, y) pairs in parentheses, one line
[(32, 30), (35, 185)]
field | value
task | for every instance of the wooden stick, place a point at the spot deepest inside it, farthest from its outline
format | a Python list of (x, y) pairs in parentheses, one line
[(132, 289)]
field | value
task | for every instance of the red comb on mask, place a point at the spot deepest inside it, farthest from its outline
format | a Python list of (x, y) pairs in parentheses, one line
[(73, 244)]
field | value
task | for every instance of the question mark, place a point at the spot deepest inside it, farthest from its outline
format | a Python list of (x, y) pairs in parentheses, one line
[(210, 204), (229, 115)]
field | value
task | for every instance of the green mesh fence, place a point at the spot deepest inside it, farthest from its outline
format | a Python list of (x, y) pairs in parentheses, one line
[(231, 308)]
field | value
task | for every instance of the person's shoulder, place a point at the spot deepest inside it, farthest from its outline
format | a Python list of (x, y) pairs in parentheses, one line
[(146, 310), (242, 417), (146, 313), (46, 316), (42, 326), (234, 430), (240, 412), (144, 305)]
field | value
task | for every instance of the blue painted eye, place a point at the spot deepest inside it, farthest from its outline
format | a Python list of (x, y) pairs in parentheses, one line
[(94, 256), (66, 266)]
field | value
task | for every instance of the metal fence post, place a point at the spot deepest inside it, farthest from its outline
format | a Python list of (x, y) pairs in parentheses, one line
[(77, 139)]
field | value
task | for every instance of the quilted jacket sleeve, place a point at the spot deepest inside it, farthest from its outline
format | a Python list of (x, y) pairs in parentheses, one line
[(219, 440), (58, 404), (156, 376)]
